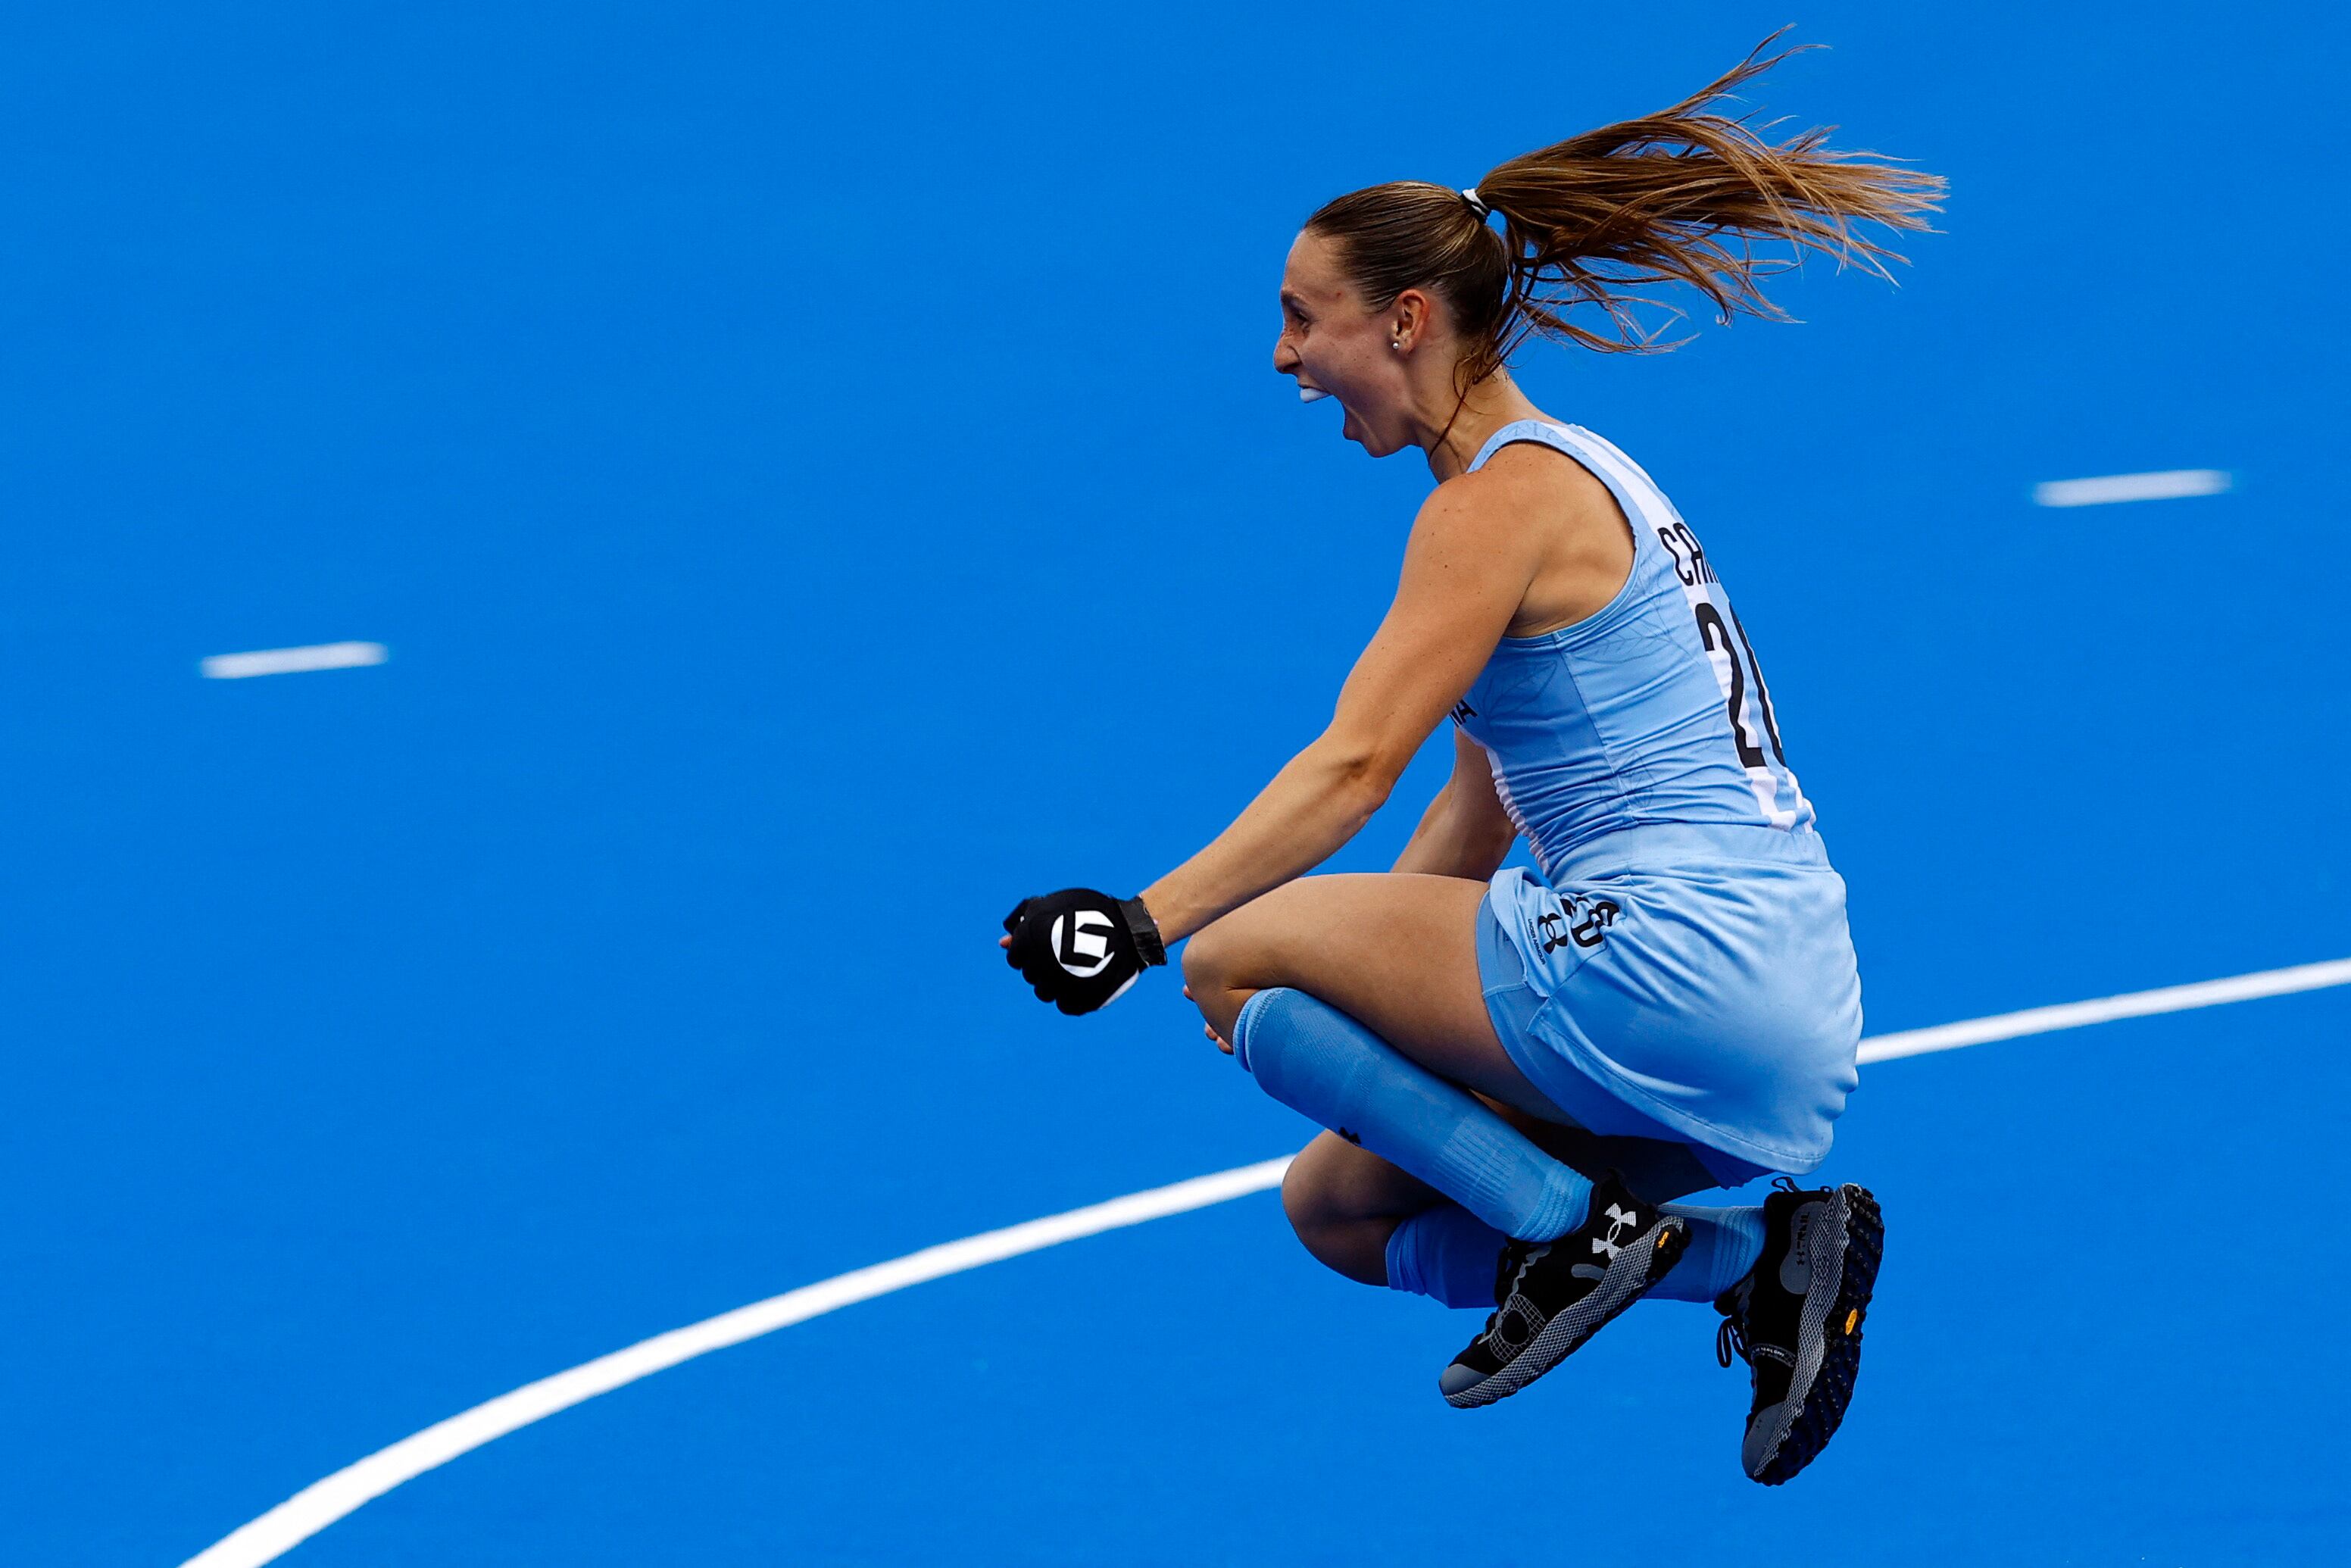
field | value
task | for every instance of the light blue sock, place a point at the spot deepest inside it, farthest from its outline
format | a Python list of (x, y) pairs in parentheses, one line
[(1725, 1245), (1446, 1253), (1316, 1060)]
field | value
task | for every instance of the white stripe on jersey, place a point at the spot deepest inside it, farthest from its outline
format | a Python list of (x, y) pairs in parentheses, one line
[(1651, 502), (1511, 809)]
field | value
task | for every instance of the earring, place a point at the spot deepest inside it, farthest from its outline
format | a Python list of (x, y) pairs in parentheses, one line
[(1396, 343)]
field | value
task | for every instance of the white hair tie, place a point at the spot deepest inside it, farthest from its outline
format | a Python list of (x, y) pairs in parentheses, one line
[(1477, 203)]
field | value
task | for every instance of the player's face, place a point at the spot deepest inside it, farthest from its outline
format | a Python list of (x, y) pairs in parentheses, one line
[(1333, 342)]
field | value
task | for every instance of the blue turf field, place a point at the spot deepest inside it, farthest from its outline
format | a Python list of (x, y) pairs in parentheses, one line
[(755, 431)]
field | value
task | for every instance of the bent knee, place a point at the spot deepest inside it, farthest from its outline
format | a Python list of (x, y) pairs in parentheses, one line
[(1335, 1182), (1305, 1192), (1221, 970), (1315, 1207), (1344, 1203), (1206, 958), (1242, 950)]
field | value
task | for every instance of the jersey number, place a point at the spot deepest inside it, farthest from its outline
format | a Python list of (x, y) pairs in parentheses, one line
[(1717, 636)]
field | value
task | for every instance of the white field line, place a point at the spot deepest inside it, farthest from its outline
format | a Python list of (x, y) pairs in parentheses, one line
[(323, 1502), (318, 1505), (293, 661), (2169, 485), (2105, 1009)]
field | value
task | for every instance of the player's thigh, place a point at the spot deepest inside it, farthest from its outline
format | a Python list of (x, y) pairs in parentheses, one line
[(1395, 951)]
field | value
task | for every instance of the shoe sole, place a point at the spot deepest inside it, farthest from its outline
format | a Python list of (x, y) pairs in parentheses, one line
[(1828, 1343), (1630, 1275)]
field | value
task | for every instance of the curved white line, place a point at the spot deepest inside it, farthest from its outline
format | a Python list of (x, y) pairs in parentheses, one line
[(323, 1502)]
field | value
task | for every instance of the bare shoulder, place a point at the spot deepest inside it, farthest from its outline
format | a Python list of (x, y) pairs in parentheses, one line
[(1504, 492), (1561, 521), (1533, 480)]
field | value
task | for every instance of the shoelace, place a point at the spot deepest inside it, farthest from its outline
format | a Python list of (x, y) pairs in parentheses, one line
[(1731, 1336)]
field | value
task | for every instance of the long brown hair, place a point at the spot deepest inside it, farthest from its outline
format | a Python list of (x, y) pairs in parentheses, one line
[(1678, 197)]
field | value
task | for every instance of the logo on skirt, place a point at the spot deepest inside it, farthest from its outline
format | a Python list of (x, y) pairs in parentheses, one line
[(1582, 921)]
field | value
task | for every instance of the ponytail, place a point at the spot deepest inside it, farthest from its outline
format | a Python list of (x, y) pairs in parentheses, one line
[(1678, 197)]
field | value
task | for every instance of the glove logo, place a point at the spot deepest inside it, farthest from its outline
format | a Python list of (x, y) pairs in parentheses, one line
[(1076, 947)]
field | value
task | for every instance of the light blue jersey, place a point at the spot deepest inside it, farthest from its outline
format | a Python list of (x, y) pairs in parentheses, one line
[(1653, 710), (1690, 955)]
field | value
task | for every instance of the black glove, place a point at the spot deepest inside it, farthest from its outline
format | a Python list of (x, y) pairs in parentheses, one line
[(1080, 949)]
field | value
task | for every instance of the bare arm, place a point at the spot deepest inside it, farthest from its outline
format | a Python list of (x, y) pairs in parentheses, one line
[(1464, 832), (1466, 571)]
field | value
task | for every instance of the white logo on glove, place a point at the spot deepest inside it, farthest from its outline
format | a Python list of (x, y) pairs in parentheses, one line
[(1082, 942)]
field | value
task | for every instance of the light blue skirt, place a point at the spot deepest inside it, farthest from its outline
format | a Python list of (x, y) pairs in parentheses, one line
[(1702, 979)]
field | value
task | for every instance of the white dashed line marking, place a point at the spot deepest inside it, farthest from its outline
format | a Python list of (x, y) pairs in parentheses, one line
[(2169, 485), (294, 661)]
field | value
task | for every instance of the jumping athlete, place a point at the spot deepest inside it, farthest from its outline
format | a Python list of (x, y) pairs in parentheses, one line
[(1518, 1073)]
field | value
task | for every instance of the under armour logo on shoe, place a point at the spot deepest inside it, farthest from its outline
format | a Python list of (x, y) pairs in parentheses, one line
[(1076, 947), (1618, 1223)]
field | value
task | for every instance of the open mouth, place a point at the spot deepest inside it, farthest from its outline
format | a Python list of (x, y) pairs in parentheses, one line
[(1311, 394)]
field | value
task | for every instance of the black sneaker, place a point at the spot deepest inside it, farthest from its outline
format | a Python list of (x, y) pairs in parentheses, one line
[(1796, 1319), (1552, 1296)]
